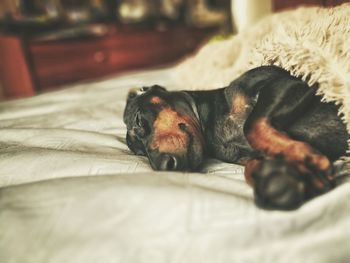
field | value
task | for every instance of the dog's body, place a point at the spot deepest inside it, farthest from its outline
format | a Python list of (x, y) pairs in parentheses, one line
[(267, 120)]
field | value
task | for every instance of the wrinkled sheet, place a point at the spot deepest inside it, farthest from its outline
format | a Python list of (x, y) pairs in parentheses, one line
[(71, 191)]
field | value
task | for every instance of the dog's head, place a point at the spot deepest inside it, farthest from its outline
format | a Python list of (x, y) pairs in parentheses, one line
[(165, 127)]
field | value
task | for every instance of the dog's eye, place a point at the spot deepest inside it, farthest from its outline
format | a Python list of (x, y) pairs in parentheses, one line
[(141, 126)]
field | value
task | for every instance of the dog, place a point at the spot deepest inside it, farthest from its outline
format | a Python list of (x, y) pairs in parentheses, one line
[(267, 119)]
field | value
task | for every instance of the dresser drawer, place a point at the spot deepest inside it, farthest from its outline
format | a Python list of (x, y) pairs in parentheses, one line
[(60, 62)]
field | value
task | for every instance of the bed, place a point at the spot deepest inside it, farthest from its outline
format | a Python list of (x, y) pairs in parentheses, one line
[(71, 191)]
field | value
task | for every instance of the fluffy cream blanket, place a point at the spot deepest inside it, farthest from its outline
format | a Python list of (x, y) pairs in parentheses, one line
[(313, 43)]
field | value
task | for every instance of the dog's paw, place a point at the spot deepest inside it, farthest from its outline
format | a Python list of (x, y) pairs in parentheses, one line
[(278, 185), (285, 186)]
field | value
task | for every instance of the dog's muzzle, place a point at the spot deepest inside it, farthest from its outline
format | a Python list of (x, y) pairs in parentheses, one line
[(168, 162)]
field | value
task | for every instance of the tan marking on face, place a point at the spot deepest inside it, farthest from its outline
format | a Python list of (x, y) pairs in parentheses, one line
[(156, 100), (168, 137), (239, 104)]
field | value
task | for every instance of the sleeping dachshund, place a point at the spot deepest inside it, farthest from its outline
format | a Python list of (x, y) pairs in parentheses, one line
[(269, 121)]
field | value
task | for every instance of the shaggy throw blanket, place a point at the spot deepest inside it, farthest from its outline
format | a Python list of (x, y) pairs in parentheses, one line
[(312, 43)]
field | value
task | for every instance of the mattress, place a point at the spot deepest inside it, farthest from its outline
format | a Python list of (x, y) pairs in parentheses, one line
[(71, 191)]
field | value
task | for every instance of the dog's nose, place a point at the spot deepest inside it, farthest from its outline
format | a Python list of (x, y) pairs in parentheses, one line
[(168, 163)]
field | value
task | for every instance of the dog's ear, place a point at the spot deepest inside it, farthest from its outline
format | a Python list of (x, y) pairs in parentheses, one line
[(134, 92), (158, 87), (135, 145)]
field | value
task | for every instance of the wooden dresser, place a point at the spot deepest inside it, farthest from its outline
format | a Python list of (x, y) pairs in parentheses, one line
[(29, 65)]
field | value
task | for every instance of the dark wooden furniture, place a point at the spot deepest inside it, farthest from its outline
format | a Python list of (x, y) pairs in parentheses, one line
[(28, 65), (15, 74)]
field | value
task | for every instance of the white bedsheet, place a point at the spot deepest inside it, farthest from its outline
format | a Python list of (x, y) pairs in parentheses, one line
[(71, 191)]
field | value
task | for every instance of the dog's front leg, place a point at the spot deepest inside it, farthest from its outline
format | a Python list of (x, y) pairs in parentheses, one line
[(291, 171), (279, 184)]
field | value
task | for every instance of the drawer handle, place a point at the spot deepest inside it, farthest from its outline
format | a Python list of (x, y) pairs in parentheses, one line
[(100, 57)]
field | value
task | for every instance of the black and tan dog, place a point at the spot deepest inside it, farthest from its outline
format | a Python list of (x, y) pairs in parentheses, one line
[(268, 120)]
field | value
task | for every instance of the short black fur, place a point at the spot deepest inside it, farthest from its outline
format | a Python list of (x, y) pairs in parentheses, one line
[(269, 93)]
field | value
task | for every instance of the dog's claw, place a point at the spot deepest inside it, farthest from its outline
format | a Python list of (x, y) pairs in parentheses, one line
[(319, 181)]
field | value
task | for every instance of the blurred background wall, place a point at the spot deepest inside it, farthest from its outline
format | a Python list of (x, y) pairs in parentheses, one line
[(45, 44)]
